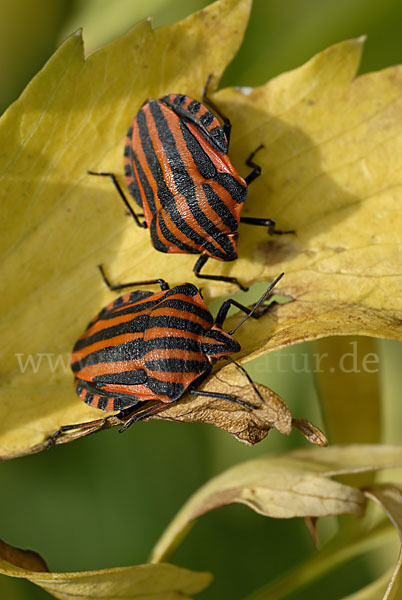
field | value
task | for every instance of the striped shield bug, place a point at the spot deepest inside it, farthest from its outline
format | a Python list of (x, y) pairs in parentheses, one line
[(178, 171), (146, 349)]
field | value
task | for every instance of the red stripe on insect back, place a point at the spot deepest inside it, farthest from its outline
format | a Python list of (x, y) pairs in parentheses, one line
[(99, 325), (179, 202), (141, 391), (110, 404), (90, 372), (176, 377), (205, 212), (169, 353), (172, 228)]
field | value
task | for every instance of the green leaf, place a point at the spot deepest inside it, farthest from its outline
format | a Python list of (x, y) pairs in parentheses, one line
[(341, 549), (374, 590), (348, 381)]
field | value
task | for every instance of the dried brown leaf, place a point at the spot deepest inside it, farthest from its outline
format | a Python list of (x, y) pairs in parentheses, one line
[(248, 425), (23, 559), (310, 432)]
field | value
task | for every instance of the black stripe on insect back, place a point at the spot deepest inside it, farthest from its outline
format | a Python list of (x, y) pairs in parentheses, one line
[(169, 236), (169, 322), (149, 194), (182, 305), (179, 99), (188, 289), (173, 390), (175, 365), (132, 306), (219, 207), (207, 118), (194, 107), (204, 164), (185, 186), (172, 343), (132, 377), (133, 186), (133, 350), (237, 191), (134, 325), (164, 194)]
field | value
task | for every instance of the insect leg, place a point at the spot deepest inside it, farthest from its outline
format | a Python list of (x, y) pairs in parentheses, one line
[(256, 172), (161, 282), (122, 196), (201, 262), (243, 370), (220, 396), (227, 126), (250, 312), (139, 415), (265, 223), (224, 309), (88, 424)]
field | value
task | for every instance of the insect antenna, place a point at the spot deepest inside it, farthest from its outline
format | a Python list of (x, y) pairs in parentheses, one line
[(257, 304)]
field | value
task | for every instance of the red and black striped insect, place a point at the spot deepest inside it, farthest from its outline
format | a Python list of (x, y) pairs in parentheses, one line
[(145, 347), (178, 171)]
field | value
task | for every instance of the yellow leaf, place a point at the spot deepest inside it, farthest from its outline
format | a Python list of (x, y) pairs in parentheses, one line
[(330, 162), (349, 542), (295, 484), (58, 223), (156, 582), (351, 458), (389, 497), (331, 171)]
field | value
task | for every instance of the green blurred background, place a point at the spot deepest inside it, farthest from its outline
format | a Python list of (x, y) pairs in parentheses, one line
[(103, 501)]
